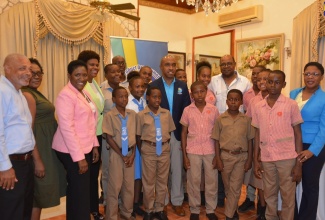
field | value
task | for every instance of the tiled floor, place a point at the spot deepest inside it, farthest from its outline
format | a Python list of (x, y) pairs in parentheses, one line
[(58, 213)]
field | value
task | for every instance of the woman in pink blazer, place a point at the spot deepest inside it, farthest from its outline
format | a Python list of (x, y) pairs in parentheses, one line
[(75, 139)]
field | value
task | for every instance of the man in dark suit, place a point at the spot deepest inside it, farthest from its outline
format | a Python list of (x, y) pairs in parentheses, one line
[(175, 97)]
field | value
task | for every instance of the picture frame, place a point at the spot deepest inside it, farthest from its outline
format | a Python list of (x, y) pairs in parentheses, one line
[(214, 61), (265, 51), (180, 59)]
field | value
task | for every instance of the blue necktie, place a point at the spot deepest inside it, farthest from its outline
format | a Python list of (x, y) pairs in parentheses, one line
[(158, 133), (110, 89), (124, 135), (139, 104)]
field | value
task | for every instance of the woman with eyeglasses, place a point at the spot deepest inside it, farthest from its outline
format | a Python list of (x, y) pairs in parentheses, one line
[(49, 188), (311, 101)]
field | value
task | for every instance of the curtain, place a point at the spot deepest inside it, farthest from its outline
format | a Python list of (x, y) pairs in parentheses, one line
[(321, 58), (304, 42), (40, 29)]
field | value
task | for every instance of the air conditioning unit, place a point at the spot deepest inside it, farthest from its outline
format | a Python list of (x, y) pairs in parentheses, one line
[(244, 16)]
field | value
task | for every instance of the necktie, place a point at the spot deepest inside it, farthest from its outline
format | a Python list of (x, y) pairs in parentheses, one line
[(158, 133), (110, 89), (139, 104), (124, 135)]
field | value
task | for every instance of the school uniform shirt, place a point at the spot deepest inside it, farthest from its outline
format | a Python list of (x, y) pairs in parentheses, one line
[(233, 133), (247, 98), (112, 126), (133, 106), (220, 89), (277, 140), (200, 126), (209, 98), (252, 103), (107, 92), (146, 125)]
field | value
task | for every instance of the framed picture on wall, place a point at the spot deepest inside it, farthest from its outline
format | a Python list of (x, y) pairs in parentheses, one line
[(214, 61), (259, 51), (180, 59)]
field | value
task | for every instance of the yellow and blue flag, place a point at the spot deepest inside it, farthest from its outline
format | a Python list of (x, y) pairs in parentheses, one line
[(138, 53)]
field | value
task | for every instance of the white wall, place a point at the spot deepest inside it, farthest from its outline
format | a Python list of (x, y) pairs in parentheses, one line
[(179, 29)]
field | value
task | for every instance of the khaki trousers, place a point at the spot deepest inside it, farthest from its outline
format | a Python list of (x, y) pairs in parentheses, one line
[(277, 176), (121, 182), (194, 181), (155, 170), (232, 177)]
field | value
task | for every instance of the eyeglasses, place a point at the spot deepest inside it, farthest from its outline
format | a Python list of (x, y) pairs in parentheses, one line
[(39, 74), (119, 63), (315, 74), (226, 64)]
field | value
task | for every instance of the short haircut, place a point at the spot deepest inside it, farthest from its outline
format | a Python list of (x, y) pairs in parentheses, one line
[(236, 91), (117, 89), (88, 55), (279, 72), (233, 59), (75, 64), (148, 93), (107, 67), (177, 70), (118, 56), (201, 65), (317, 65), (265, 70), (144, 67), (35, 61), (132, 74), (197, 83), (131, 81), (260, 66)]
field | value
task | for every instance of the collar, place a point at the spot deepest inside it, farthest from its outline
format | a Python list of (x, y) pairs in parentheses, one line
[(226, 115), (131, 97), (207, 105), (116, 112), (4, 78), (147, 110), (166, 83), (73, 88), (281, 98)]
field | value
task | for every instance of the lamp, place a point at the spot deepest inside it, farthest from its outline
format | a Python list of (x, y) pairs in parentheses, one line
[(287, 48), (196, 58), (215, 5), (189, 59)]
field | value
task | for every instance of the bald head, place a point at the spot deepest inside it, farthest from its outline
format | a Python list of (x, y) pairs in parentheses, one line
[(17, 68)]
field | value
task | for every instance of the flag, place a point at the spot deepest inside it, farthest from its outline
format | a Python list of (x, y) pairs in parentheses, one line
[(138, 53)]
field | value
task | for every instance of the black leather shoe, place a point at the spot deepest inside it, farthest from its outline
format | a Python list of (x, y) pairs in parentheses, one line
[(246, 206), (194, 216), (148, 216), (97, 216), (212, 216), (161, 216)]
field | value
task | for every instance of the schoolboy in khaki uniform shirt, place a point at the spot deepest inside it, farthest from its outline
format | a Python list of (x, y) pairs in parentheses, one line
[(120, 169)]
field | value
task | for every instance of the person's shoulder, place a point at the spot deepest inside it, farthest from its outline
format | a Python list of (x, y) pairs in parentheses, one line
[(164, 110), (243, 78), (131, 112), (156, 82)]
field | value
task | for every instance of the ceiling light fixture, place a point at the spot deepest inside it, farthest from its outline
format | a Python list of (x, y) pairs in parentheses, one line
[(214, 6)]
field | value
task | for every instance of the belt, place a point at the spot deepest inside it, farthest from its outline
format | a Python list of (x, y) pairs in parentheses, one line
[(234, 152), (25, 156), (154, 143)]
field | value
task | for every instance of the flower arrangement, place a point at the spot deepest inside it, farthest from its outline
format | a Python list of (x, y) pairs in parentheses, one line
[(259, 57)]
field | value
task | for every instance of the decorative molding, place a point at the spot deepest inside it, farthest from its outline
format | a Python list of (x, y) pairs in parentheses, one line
[(166, 7)]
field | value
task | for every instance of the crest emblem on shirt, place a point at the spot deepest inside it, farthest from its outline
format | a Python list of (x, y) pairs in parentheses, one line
[(158, 131), (179, 91), (279, 113), (124, 131)]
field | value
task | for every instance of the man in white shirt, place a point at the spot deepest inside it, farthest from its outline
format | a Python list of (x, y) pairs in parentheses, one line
[(227, 80)]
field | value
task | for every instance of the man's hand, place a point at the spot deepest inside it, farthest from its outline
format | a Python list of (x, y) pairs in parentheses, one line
[(217, 164), (39, 168), (8, 179), (83, 166), (247, 165)]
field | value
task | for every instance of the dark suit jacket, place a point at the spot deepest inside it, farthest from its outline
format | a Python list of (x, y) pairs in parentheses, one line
[(180, 101)]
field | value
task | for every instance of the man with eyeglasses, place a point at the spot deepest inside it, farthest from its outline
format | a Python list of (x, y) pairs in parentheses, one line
[(120, 61), (220, 85), (16, 141)]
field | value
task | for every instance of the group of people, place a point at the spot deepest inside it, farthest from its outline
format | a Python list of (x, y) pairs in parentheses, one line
[(223, 131)]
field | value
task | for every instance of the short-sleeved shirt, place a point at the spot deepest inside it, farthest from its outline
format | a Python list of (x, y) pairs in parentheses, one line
[(252, 104), (107, 92), (277, 140), (210, 97), (112, 126), (133, 106), (233, 133), (248, 97), (146, 124), (200, 126), (220, 89)]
